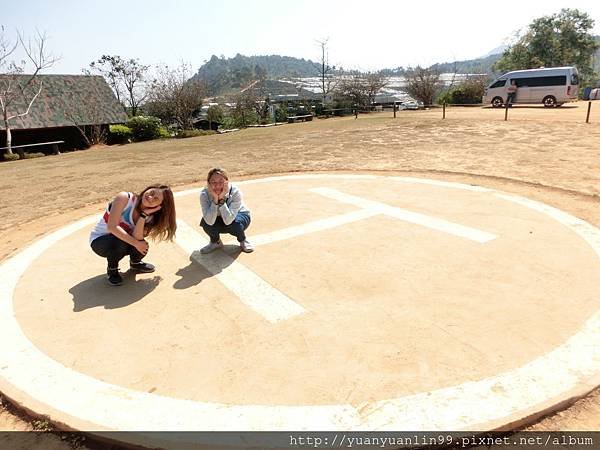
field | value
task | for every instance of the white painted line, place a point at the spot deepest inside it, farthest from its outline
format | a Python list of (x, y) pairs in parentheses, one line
[(441, 225), (25, 368), (444, 184), (315, 176), (581, 227), (311, 227), (117, 408), (252, 290), (409, 216), (490, 399)]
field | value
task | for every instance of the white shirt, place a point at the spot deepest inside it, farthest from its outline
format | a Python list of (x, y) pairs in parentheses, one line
[(228, 210)]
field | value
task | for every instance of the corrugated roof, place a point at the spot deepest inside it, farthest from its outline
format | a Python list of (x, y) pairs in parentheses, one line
[(275, 89), (66, 100)]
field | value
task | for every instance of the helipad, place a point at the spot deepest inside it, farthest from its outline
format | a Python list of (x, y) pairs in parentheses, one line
[(370, 303)]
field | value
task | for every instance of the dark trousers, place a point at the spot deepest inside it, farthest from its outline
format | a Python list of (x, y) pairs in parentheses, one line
[(511, 97), (235, 228), (114, 250)]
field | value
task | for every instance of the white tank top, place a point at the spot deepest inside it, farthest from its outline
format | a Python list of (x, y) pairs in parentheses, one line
[(126, 221)]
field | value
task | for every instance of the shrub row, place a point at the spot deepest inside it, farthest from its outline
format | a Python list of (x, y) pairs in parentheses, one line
[(468, 92), (138, 128)]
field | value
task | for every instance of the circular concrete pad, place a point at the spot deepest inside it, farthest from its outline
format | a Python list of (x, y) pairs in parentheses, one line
[(370, 303)]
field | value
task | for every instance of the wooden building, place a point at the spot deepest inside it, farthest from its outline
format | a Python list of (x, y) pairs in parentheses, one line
[(67, 107)]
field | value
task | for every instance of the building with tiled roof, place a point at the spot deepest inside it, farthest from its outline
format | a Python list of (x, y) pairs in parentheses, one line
[(65, 103)]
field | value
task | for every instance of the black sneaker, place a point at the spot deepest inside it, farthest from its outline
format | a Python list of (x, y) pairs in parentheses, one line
[(114, 277), (141, 267)]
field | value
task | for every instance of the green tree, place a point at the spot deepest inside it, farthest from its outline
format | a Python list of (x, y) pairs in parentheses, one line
[(562, 39), (214, 114), (244, 111)]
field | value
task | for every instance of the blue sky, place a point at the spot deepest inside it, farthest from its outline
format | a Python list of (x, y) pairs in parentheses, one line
[(365, 35)]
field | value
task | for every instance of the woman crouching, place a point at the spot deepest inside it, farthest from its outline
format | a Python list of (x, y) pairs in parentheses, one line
[(127, 221), (223, 211)]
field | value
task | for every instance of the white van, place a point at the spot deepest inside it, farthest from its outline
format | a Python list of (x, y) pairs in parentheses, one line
[(552, 87)]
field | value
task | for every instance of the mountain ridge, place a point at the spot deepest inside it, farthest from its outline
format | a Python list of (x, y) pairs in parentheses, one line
[(222, 74)]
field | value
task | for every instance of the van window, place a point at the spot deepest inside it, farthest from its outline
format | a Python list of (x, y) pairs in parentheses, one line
[(574, 78), (498, 83), (560, 80)]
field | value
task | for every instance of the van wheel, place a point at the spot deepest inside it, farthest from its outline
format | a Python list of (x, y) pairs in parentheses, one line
[(549, 101), (497, 102)]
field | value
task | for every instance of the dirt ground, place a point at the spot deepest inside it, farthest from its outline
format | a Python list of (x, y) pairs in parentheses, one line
[(550, 155)]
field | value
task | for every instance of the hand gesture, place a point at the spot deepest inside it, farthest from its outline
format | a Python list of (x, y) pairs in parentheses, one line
[(149, 211), (225, 189), (142, 247)]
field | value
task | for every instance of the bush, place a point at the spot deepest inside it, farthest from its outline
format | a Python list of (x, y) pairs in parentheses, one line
[(145, 128), (240, 117), (228, 123), (281, 114), (13, 157), (194, 133), (33, 155), (119, 134), (164, 133), (468, 92), (215, 114)]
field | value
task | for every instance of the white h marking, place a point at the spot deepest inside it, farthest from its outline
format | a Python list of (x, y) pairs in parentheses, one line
[(266, 300), (252, 290), (409, 216)]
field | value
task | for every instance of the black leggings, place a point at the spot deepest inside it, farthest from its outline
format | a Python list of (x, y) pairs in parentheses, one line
[(114, 250)]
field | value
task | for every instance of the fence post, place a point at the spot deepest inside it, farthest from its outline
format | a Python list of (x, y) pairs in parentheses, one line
[(444, 110), (587, 118), (506, 111)]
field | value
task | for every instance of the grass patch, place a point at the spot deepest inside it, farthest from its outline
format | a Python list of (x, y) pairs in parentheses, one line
[(33, 155), (194, 133)]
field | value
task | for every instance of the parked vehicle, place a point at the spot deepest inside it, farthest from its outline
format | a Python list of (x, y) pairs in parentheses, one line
[(551, 87), (410, 105)]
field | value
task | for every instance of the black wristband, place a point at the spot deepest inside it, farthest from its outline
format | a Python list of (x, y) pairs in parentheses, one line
[(143, 215)]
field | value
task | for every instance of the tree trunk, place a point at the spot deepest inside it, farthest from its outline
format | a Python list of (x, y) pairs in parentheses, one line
[(8, 138), (133, 105)]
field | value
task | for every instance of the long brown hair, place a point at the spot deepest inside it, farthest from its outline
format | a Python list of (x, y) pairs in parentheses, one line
[(164, 223)]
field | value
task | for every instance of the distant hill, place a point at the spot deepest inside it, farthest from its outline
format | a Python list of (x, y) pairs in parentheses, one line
[(223, 74), (484, 64), (496, 51), (479, 65)]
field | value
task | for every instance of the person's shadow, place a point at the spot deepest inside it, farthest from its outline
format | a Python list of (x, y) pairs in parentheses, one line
[(97, 292), (202, 266)]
